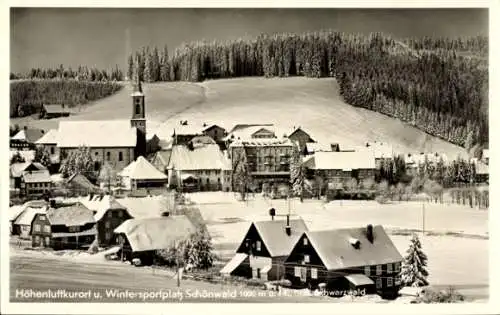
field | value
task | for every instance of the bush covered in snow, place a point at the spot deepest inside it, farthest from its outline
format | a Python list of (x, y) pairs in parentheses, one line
[(449, 295)]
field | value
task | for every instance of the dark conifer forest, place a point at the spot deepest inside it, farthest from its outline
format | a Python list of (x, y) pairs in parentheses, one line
[(438, 85)]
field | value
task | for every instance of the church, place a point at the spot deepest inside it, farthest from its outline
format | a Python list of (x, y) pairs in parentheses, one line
[(117, 142)]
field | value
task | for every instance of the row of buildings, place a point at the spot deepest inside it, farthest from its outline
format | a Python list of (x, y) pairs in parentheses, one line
[(202, 156), (341, 259), (73, 224)]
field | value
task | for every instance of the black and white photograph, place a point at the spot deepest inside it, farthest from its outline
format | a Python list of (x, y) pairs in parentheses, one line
[(221, 155)]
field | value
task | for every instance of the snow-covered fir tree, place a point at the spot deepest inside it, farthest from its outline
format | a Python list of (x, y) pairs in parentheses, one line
[(413, 270), (297, 174)]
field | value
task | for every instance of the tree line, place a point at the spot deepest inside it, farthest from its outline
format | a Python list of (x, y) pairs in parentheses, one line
[(425, 82), (28, 96), (82, 73)]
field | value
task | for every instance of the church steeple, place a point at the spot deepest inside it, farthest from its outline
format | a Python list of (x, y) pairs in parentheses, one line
[(138, 119)]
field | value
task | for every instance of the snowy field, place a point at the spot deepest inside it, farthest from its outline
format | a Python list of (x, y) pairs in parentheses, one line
[(449, 255)]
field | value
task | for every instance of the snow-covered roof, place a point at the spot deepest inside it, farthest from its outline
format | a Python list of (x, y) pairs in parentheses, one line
[(340, 161), (155, 233), (142, 169), (42, 176), (336, 251), (49, 138), (97, 133), (207, 157), (29, 135)]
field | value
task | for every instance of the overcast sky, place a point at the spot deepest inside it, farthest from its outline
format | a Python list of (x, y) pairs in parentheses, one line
[(43, 37)]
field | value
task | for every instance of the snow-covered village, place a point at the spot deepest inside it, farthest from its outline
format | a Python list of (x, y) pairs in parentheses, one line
[(314, 166)]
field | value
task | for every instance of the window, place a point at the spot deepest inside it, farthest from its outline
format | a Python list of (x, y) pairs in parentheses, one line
[(110, 214), (367, 270), (305, 241), (47, 241), (397, 267), (389, 282), (74, 228), (379, 270), (258, 246), (120, 213), (389, 268), (108, 156), (120, 156), (258, 273), (107, 224), (52, 150), (398, 280), (46, 228), (107, 236), (42, 218), (37, 227), (306, 259), (137, 106), (218, 180), (37, 238), (314, 273), (296, 271), (208, 181), (97, 153), (379, 283)]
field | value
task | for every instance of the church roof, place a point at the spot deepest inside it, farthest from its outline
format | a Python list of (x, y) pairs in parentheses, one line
[(142, 169), (98, 133)]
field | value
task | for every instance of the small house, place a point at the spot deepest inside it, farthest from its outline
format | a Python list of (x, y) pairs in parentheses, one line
[(34, 183), (140, 238), (80, 185), (346, 259), (25, 139), (18, 169), (54, 111), (298, 135), (22, 225), (342, 167), (64, 227), (142, 174), (216, 132), (482, 172), (264, 249), (108, 215)]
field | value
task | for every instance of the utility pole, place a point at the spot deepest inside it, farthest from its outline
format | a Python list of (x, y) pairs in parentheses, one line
[(423, 218)]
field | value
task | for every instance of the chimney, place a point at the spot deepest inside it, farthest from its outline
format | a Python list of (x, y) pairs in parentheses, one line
[(288, 228), (272, 213), (369, 233), (52, 203)]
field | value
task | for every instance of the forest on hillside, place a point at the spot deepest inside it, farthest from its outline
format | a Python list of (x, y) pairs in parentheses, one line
[(437, 85), (28, 96)]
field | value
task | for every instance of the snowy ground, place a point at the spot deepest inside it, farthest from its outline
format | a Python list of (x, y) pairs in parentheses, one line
[(449, 255)]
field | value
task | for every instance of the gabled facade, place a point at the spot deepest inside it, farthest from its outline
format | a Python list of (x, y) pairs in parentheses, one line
[(64, 227), (264, 248), (343, 259), (301, 137)]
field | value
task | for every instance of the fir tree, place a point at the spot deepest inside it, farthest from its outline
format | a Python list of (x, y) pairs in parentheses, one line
[(297, 173), (241, 174), (80, 162), (130, 69), (17, 158), (42, 157), (413, 271)]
